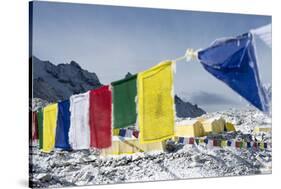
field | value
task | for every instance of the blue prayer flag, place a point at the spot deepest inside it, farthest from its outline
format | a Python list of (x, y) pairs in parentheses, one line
[(181, 140), (122, 132), (228, 143), (206, 141), (233, 61), (63, 124), (248, 144)]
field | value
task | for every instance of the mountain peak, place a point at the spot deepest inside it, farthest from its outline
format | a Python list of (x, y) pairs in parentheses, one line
[(186, 109), (75, 64), (58, 82)]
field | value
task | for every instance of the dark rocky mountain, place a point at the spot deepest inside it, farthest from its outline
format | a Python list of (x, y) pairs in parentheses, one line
[(52, 83), (58, 82), (186, 109)]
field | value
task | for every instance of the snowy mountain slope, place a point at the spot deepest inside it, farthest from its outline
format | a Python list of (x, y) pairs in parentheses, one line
[(86, 167)]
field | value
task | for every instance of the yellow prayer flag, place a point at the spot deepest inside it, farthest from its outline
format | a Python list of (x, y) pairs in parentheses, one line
[(116, 132), (156, 103), (49, 127), (262, 145), (223, 143), (201, 140)]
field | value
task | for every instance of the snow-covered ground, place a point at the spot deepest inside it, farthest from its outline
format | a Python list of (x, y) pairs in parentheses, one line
[(86, 167)]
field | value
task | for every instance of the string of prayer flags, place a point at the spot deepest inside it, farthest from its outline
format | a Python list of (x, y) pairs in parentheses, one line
[(156, 103), (126, 132), (124, 93), (63, 125), (40, 127), (233, 61), (100, 117), (223, 143), (79, 131), (49, 127)]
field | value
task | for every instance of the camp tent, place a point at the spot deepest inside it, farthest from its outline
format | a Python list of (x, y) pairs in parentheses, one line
[(126, 145), (262, 129), (189, 128), (229, 127), (213, 125)]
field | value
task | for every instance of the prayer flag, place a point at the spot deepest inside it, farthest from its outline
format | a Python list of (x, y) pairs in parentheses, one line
[(34, 128), (191, 141), (124, 93), (63, 124), (40, 127), (122, 132), (239, 144), (156, 103), (79, 131), (49, 127), (197, 141), (233, 144), (100, 117), (262, 146), (116, 132), (223, 143), (136, 134), (181, 140), (229, 143), (206, 141), (215, 142), (255, 145), (233, 61)]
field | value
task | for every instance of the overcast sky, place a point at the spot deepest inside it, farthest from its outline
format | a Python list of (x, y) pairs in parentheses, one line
[(112, 41)]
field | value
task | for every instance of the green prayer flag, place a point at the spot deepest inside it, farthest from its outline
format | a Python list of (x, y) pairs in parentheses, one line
[(241, 144), (124, 106), (40, 127)]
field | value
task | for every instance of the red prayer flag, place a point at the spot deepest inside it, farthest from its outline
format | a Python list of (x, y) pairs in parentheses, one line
[(34, 130), (237, 144), (136, 134), (215, 142), (255, 145), (100, 117), (191, 140)]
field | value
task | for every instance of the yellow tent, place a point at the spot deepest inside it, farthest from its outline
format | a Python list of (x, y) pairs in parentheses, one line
[(213, 125), (130, 146), (229, 127), (262, 129), (189, 128)]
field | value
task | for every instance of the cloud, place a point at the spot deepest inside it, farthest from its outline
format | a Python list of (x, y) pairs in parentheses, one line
[(207, 98)]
